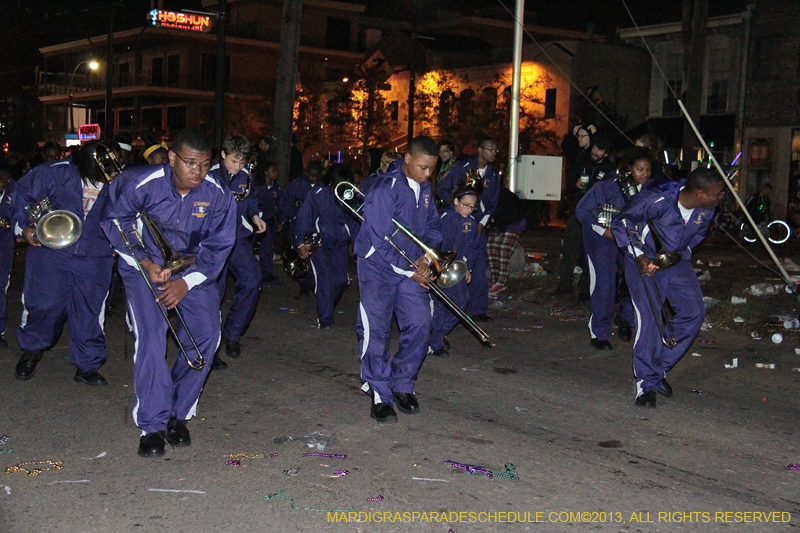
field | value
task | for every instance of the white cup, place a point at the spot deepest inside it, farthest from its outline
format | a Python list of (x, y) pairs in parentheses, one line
[(791, 324), (777, 338)]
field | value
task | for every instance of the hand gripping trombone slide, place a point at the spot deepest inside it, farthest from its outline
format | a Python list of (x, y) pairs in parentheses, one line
[(200, 362), (451, 272)]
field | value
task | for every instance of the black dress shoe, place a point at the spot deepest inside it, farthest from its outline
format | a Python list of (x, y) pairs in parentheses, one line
[(665, 389), (152, 444), (90, 377), (625, 332), (648, 399), (218, 363), (177, 433), (26, 367), (383, 413), (482, 318), (446, 343), (232, 348), (602, 345), (406, 402), (441, 352)]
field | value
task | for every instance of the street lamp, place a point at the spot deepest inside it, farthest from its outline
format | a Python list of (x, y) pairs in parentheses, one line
[(94, 65)]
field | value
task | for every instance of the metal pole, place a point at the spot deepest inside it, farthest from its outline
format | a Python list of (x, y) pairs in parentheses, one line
[(71, 89), (412, 86), (109, 122), (219, 93), (282, 124), (516, 81)]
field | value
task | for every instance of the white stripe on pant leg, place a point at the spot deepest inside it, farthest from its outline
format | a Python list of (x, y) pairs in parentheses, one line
[(316, 281), (135, 330), (592, 275), (365, 326), (102, 318), (24, 320), (638, 323)]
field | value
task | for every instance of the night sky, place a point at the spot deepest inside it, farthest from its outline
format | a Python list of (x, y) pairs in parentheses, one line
[(31, 24)]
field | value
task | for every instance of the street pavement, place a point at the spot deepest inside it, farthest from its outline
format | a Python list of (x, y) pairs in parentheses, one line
[(542, 405)]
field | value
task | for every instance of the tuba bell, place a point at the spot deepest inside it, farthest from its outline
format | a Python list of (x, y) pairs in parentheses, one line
[(294, 265), (55, 228), (474, 181)]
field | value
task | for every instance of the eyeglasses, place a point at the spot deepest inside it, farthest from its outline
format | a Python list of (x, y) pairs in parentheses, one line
[(495, 150), (468, 206), (191, 165)]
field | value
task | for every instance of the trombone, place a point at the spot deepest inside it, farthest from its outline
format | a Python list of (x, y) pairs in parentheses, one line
[(449, 271), (170, 257), (662, 260)]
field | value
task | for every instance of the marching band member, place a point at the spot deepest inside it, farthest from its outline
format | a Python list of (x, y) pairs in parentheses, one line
[(158, 154), (487, 152), (69, 284), (322, 213), (293, 196), (387, 158), (602, 253), (7, 187), (680, 213), (459, 232), (242, 264), (268, 193), (198, 217), (389, 286)]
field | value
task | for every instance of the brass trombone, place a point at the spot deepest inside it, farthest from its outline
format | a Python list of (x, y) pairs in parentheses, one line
[(662, 260), (447, 269), (170, 257), (240, 196)]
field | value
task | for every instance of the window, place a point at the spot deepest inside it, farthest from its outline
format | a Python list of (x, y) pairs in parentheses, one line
[(550, 103), (176, 118), (719, 60), (123, 74), (394, 110), (208, 71), (152, 118), (337, 35), (125, 120), (717, 97), (173, 70), (157, 71)]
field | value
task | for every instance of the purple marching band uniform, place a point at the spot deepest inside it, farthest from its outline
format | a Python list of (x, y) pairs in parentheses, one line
[(268, 199), (678, 284), (292, 198), (479, 286), (201, 223), (460, 234), (322, 213), (242, 263), (602, 256), (6, 250), (385, 283), (67, 285)]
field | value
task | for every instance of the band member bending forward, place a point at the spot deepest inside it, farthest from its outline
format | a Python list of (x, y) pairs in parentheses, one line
[(390, 286), (680, 214), (68, 284), (197, 216)]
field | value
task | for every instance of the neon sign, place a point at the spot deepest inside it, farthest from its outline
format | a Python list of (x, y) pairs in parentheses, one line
[(180, 21), (89, 132)]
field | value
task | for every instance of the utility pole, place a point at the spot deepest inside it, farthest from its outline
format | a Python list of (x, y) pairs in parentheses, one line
[(412, 71), (221, 78), (108, 127), (695, 22), (285, 88), (516, 79)]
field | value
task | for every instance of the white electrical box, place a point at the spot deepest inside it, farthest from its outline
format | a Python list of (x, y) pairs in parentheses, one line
[(539, 177)]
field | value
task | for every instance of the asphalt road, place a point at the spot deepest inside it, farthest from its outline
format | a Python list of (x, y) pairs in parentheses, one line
[(543, 400)]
